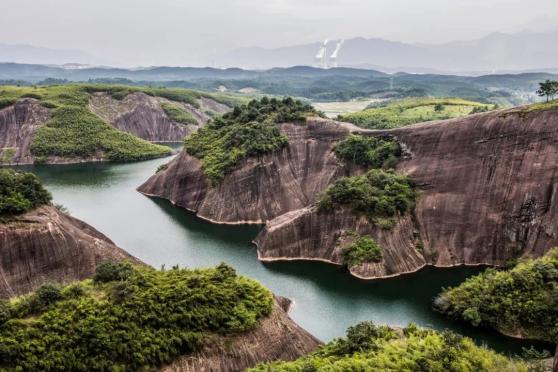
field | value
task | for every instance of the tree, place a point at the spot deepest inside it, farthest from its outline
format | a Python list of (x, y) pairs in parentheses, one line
[(439, 107), (548, 88)]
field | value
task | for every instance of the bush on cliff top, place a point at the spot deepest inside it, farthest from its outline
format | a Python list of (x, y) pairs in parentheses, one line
[(369, 151), (524, 299), (178, 114), (368, 347), (248, 130), (130, 318), (20, 192), (379, 195)]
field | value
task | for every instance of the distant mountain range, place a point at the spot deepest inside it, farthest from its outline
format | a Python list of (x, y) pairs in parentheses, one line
[(32, 54), (525, 51), (495, 53)]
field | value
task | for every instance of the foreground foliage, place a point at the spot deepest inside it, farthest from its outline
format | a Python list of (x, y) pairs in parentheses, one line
[(409, 111), (369, 151), (368, 347), (379, 195), (74, 131), (248, 130), (126, 318), (522, 300), (20, 192)]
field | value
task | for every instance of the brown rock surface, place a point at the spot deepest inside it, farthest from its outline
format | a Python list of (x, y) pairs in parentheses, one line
[(262, 188), (45, 245), (142, 115), (276, 337), (488, 186), (17, 127)]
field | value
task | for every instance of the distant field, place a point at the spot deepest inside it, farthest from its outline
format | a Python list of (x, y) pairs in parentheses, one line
[(334, 109), (409, 111)]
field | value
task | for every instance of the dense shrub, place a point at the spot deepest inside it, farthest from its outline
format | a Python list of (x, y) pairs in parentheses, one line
[(368, 347), (363, 249), (378, 194), (522, 299), (137, 323), (178, 114), (20, 192), (112, 271), (248, 130), (369, 151), (409, 111)]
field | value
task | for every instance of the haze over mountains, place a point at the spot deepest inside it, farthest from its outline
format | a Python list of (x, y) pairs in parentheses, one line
[(494, 53)]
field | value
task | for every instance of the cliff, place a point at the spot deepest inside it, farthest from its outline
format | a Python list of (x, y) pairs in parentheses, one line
[(142, 115), (261, 188), (277, 337), (45, 245), (18, 123), (487, 192)]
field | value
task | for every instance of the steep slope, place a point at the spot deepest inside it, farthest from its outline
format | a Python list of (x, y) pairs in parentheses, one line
[(487, 192), (143, 116), (277, 337), (18, 124), (45, 245)]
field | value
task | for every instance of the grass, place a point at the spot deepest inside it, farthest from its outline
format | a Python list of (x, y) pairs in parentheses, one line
[(20, 192), (522, 299), (127, 318), (249, 130), (379, 195), (368, 347), (178, 114), (541, 106), (415, 110)]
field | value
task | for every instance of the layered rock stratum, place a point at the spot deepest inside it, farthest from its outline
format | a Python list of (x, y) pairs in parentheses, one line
[(46, 245), (487, 192)]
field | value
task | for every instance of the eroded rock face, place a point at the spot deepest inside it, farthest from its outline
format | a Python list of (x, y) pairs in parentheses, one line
[(262, 188), (142, 115), (276, 337), (488, 186), (17, 127), (45, 245)]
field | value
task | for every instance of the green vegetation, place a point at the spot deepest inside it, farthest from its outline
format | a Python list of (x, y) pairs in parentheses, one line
[(522, 300), (409, 111), (379, 195), (368, 347), (248, 130), (551, 105), (178, 114), (74, 131), (363, 249), (6, 154), (126, 318), (369, 151), (548, 89), (20, 192)]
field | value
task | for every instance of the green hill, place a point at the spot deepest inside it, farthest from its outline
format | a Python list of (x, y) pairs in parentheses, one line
[(415, 110)]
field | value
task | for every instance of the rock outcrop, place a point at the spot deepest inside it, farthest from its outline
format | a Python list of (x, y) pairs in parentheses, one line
[(142, 115), (262, 188), (18, 123), (276, 337), (45, 245), (487, 182)]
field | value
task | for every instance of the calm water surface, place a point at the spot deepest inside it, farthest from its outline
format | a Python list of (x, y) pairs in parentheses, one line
[(327, 299)]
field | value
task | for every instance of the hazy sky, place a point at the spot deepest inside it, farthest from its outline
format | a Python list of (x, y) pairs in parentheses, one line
[(184, 32)]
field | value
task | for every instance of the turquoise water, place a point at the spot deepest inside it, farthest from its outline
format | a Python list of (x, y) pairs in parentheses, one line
[(327, 300)]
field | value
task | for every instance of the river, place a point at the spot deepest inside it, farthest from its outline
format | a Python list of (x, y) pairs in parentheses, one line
[(327, 300)]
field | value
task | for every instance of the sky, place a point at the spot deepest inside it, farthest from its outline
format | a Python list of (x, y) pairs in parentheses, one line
[(185, 32)]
